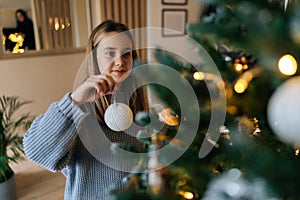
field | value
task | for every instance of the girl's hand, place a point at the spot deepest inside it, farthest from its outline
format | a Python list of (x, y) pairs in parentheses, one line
[(93, 88)]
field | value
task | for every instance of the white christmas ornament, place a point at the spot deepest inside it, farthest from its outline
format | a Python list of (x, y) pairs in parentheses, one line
[(284, 111), (118, 117)]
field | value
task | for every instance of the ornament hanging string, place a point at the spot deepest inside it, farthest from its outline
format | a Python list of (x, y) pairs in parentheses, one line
[(285, 5)]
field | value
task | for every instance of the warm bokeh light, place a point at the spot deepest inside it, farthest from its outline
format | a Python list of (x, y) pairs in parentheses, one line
[(287, 65), (248, 76), (232, 109), (240, 86), (168, 118), (220, 84), (238, 67), (297, 151), (56, 23), (199, 76), (210, 77), (243, 59), (245, 67), (186, 195)]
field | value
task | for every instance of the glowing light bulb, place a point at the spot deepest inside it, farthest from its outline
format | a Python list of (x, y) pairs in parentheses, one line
[(243, 59), (287, 65), (297, 151), (186, 195), (245, 66), (56, 23), (238, 67), (240, 86), (198, 76)]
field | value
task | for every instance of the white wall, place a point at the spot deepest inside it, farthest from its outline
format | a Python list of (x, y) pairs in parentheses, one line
[(154, 19), (15, 4), (41, 79), (8, 8), (80, 21)]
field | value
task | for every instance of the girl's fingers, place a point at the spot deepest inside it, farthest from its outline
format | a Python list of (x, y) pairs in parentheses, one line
[(111, 82), (102, 83), (107, 82), (94, 88)]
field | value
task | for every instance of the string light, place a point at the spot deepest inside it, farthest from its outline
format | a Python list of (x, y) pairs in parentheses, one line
[(242, 83), (241, 64), (297, 152), (257, 129), (62, 23), (238, 67), (186, 195), (287, 65), (56, 23), (240, 86), (199, 76), (232, 109)]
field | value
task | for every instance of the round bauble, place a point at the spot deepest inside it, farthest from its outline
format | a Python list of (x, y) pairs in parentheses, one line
[(142, 118), (284, 111), (118, 117)]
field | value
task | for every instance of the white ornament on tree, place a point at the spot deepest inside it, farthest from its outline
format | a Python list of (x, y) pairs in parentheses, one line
[(284, 111), (118, 116)]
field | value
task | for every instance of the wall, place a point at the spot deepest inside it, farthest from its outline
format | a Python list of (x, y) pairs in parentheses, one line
[(154, 19), (41, 79), (8, 8), (14, 3), (80, 27)]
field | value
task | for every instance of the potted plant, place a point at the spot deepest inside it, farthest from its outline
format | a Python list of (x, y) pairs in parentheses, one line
[(11, 149)]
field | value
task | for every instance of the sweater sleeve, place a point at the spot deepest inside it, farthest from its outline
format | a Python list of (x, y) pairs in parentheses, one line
[(47, 142)]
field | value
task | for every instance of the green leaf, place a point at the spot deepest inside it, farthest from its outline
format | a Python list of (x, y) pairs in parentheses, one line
[(11, 128)]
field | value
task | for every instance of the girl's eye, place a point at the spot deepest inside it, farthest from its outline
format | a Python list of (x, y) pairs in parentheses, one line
[(110, 53), (127, 54)]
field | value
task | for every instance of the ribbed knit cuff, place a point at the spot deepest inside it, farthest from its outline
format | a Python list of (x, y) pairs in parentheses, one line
[(70, 109)]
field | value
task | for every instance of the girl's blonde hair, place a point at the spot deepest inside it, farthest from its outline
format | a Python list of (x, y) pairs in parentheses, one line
[(138, 100)]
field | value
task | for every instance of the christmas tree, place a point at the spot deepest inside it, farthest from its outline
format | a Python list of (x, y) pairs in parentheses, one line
[(255, 45)]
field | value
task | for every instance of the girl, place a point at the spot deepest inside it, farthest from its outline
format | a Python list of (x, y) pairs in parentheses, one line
[(53, 141)]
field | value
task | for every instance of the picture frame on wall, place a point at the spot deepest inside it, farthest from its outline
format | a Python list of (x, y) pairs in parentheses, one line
[(174, 2), (173, 22)]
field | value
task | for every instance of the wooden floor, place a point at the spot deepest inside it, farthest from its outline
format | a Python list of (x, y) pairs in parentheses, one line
[(35, 183)]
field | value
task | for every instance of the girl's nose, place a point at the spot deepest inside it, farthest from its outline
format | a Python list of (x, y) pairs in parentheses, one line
[(119, 61)]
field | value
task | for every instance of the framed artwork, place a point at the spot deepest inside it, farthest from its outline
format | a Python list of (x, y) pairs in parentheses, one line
[(174, 2), (173, 22)]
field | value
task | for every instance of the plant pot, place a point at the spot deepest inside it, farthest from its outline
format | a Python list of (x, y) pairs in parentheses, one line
[(8, 189)]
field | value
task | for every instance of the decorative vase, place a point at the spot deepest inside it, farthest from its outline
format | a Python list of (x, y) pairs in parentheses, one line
[(8, 189)]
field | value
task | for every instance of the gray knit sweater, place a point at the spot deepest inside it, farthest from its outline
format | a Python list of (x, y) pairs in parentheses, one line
[(53, 142)]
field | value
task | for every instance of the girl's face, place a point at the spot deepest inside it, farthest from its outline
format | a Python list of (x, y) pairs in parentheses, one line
[(114, 56)]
